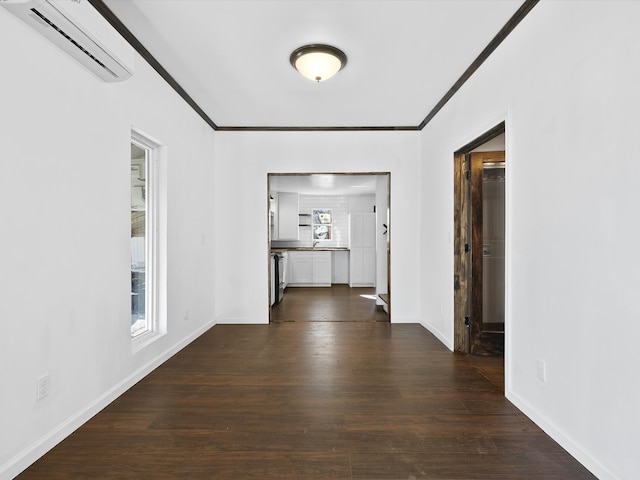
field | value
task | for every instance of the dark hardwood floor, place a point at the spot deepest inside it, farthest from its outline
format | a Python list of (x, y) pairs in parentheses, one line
[(303, 400), (338, 303)]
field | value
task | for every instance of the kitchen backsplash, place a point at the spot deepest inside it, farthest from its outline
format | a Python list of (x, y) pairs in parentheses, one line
[(339, 204)]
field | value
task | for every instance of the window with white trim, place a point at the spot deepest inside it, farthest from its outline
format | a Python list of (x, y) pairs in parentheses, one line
[(144, 237), (321, 223)]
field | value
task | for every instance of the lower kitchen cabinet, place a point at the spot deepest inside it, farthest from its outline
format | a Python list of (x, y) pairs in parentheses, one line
[(362, 267), (362, 249), (322, 268), (309, 269), (300, 268)]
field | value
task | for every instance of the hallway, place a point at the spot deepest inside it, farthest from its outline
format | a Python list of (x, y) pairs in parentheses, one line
[(301, 400), (338, 303)]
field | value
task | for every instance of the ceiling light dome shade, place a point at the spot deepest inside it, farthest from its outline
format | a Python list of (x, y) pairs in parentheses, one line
[(318, 62)]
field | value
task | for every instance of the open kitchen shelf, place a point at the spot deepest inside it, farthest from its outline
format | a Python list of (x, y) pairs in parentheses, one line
[(303, 221)]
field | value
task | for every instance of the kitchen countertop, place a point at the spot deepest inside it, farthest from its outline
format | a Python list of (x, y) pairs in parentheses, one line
[(310, 249)]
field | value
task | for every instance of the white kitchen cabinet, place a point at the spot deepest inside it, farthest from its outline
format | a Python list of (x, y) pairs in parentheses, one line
[(287, 217), (340, 267), (309, 269), (362, 249), (300, 268), (322, 268)]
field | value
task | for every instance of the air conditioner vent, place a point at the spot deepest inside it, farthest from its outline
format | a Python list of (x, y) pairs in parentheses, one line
[(61, 32), (78, 29)]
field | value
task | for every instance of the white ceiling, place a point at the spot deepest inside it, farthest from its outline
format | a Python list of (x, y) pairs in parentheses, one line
[(324, 184), (232, 57)]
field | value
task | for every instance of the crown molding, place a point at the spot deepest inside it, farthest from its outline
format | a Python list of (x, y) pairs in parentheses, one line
[(511, 24), (115, 22), (313, 129)]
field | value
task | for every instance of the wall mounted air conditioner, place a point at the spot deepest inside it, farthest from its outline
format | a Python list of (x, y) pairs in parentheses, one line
[(78, 29)]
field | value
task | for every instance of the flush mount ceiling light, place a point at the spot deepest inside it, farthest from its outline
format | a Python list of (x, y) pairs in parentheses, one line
[(318, 62)]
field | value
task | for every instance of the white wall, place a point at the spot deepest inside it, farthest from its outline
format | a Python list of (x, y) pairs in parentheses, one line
[(566, 82), (64, 256), (496, 144), (243, 160)]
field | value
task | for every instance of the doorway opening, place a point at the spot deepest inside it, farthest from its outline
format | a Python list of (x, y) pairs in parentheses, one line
[(479, 249), (329, 246)]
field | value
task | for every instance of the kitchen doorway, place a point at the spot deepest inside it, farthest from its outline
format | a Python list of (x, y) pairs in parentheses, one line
[(329, 246), (479, 249)]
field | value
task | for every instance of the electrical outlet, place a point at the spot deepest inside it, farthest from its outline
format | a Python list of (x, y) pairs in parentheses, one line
[(186, 314), (43, 386), (541, 369)]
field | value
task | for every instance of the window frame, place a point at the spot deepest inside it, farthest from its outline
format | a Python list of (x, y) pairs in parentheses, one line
[(315, 224), (156, 326)]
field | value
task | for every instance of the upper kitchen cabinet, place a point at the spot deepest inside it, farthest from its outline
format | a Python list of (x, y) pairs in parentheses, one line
[(284, 216)]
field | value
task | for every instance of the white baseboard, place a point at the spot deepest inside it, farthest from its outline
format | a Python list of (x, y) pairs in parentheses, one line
[(575, 449), (240, 321), (438, 334), (37, 449)]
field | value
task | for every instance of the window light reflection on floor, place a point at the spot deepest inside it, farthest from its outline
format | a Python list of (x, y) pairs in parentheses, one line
[(370, 297)]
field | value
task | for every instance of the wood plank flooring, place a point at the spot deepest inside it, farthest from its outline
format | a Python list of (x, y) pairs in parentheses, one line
[(302, 400), (338, 303)]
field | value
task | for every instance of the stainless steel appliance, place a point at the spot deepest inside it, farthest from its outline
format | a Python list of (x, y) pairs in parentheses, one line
[(279, 272)]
